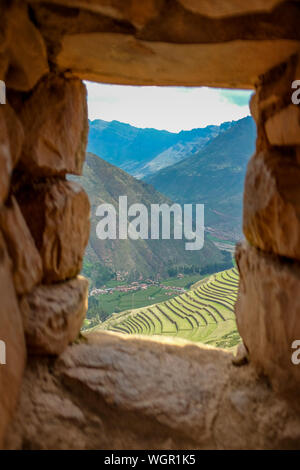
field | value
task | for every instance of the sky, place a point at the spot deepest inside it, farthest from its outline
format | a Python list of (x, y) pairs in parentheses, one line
[(170, 108)]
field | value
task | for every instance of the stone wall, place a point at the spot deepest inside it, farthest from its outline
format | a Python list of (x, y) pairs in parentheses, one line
[(143, 393), (268, 306), (44, 219)]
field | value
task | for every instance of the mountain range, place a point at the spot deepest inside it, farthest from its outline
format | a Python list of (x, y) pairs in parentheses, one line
[(104, 183), (213, 176), (142, 152), (205, 165)]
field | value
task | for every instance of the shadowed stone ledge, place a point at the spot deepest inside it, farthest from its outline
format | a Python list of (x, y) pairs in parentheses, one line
[(116, 392)]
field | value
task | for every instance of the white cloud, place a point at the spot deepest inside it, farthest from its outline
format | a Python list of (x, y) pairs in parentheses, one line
[(171, 108)]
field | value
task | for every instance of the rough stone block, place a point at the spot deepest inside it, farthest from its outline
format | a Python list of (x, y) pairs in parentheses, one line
[(60, 226), (284, 127), (267, 312), (53, 315), (219, 8), (15, 133), (5, 158), (56, 127), (116, 392), (12, 345), (105, 56), (11, 141), (27, 51), (27, 263), (137, 12), (271, 217)]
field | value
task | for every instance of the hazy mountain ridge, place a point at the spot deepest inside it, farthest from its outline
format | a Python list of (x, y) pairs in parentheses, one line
[(104, 182), (213, 176), (141, 152)]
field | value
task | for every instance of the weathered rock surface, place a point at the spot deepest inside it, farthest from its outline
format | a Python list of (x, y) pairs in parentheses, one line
[(273, 95), (135, 393), (3, 58), (53, 315), (136, 12), (27, 263), (233, 7), (60, 226), (271, 217), (284, 127), (267, 312), (26, 48), (15, 133), (106, 58), (56, 127), (142, 43), (241, 357), (11, 140), (12, 351), (5, 157)]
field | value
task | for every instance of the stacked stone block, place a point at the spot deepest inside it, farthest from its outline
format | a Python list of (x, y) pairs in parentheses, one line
[(268, 307), (44, 218)]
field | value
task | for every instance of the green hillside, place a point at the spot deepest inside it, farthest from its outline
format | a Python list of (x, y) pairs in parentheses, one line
[(214, 176), (204, 314), (104, 183)]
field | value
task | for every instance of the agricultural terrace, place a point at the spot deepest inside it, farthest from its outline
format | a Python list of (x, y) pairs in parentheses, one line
[(204, 314)]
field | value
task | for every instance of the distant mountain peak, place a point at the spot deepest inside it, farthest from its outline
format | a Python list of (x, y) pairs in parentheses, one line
[(133, 148)]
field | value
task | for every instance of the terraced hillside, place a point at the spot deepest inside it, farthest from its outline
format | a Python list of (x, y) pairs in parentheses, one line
[(204, 313)]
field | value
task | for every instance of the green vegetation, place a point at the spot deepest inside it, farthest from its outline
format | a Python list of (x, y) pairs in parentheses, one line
[(102, 306), (135, 258), (204, 314), (96, 273)]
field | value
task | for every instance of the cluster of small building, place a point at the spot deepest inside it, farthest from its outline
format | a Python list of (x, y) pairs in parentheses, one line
[(136, 286)]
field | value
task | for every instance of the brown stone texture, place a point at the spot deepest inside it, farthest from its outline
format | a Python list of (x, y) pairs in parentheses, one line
[(116, 392), (273, 97), (5, 157), (241, 357), (3, 48), (267, 312), (135, 11), (125, 10), (15, 133), (53, 315), (253, 105), (27, 263), (60, 225), (284, 127), (219, 8), (26, 49), (11, 140), (157, 42), (11, 333), (106, 58), (56, 127), (271, 217)]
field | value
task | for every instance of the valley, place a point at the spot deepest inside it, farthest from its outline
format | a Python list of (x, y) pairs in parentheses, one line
[(204, 313), (116, 296), (147, 286), (136, 259)]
